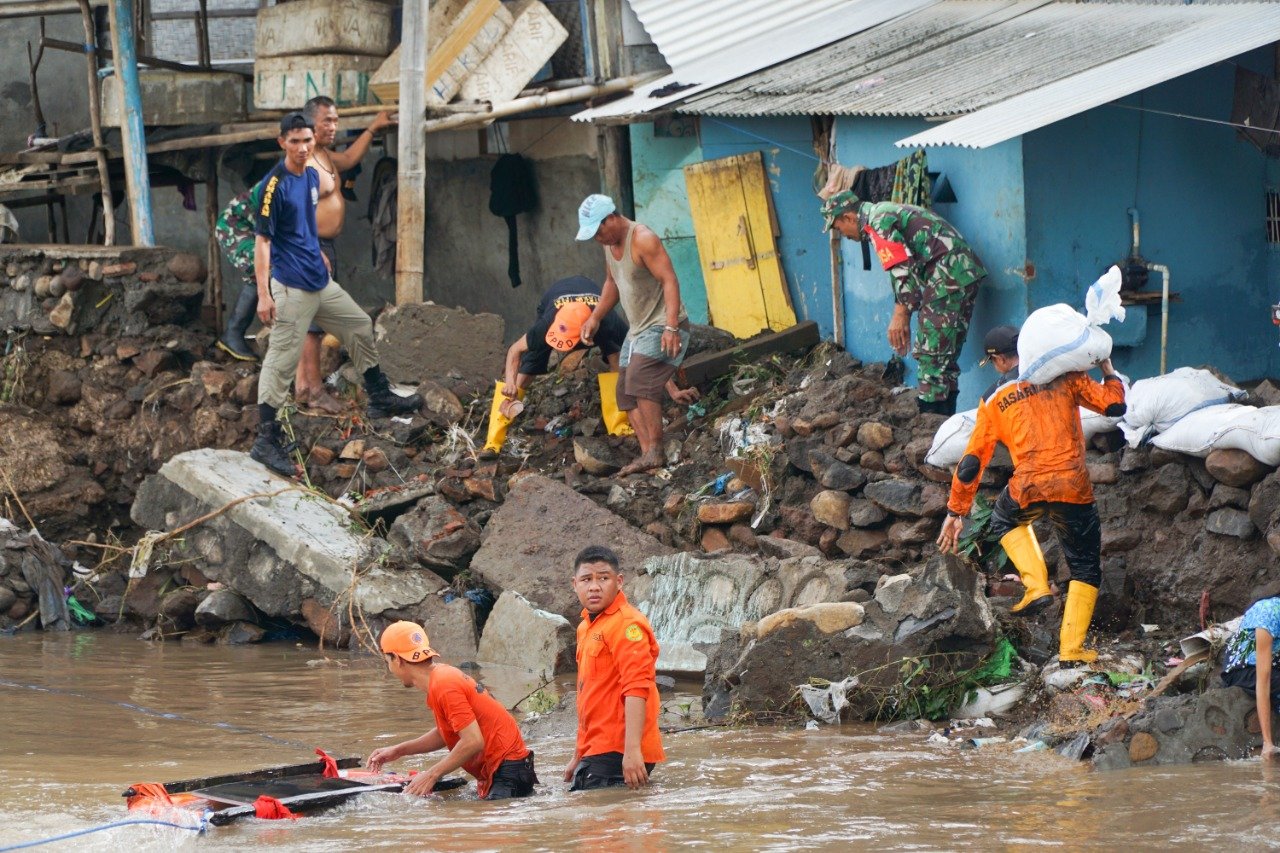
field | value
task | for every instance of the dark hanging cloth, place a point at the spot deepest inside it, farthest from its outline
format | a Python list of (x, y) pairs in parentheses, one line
[(382, 216), (511, 192), (875, 184)]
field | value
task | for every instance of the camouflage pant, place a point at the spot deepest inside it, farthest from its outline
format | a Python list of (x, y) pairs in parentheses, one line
[(942, 324)]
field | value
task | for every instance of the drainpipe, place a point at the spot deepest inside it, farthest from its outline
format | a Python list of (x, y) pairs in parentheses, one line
[(133, 138), (1164, 313), (1133, 217)]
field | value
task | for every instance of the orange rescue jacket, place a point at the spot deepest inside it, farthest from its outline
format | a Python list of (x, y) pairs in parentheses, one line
[(1040, 424), (617, 657)]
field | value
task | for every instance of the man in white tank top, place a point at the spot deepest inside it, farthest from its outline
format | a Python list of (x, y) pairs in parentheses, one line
[(639, 274)]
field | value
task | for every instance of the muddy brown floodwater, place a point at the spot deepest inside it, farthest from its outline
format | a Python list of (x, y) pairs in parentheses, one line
[(112, 711)]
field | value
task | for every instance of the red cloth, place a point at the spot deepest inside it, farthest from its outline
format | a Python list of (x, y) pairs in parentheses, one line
[(269, 808), (330, 766)]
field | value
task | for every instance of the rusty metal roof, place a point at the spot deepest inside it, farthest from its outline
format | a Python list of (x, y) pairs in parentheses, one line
[(1042, 59)]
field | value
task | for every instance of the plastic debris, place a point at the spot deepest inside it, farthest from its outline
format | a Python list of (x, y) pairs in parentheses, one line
[(826, 701), (978, 742), (993, 701), (811, 726), (939, 738), (1034, 746), (1075, 748)]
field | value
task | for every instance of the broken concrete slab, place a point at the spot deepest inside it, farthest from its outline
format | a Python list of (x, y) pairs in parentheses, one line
[(531, 540), (416, 342), (520, 635), (275, 551), (694, 598)]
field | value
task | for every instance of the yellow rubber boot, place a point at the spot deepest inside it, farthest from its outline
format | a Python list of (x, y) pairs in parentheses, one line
[(615, 420), (1076, 616), (498, 422), (1024, 552)]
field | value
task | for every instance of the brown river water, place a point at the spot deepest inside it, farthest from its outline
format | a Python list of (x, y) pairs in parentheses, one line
[(68, 750)]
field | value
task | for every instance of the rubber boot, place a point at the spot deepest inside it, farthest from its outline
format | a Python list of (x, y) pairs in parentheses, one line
[(1076, 615), (232, 341), (1024, 552), (269, 449), (383, 402), (615, 420), (498, 422)]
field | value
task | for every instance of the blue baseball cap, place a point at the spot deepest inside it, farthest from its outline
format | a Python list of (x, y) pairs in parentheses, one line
[(593, 211)]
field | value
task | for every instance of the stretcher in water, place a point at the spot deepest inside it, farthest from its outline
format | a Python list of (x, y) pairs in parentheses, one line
[(273, 793)]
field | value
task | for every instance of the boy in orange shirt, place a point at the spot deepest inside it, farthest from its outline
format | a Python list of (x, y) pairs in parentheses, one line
[(481, 735), (618, 738)]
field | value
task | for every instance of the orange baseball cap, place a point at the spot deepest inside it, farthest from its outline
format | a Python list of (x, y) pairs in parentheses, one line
[(566, 328), (407, 640)]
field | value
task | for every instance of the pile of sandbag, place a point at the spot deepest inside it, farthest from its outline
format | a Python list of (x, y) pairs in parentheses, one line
[(1155, 405), (1229, 426)]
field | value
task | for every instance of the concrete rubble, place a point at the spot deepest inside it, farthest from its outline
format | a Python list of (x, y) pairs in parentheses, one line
[(788, 541)]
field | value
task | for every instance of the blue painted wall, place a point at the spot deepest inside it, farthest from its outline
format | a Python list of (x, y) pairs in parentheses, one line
[(1200, 193), (657, 178)]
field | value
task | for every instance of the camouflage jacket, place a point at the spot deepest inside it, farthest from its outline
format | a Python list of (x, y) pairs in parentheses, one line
[(235, 230), (920, 250)]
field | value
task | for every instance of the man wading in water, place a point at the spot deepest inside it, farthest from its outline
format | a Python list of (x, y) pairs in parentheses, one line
[(618, 738), (638, 273), (481, 735), (1040, 424)]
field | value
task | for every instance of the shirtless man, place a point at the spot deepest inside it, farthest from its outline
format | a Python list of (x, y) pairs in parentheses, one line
[(330, 217)]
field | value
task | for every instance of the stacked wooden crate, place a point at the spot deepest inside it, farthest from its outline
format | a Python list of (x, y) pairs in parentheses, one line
[(306, 48)]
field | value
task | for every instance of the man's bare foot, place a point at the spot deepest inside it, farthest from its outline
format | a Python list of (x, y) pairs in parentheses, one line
[(647, 461), (322, 401)]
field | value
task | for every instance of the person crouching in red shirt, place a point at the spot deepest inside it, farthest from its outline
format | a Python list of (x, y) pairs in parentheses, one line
[(481, 735), (618, 738)]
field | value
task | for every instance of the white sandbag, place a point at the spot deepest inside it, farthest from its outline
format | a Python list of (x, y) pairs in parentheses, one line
[(1202, 431), (1257, 434), (951, 439), (1057, 339), (1156, 404)]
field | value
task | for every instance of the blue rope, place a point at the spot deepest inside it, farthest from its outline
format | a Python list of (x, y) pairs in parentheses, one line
[(151, 712), (772, 142), (119, 823)]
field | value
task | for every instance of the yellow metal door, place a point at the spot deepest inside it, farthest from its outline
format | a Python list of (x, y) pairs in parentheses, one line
[(734, 225)]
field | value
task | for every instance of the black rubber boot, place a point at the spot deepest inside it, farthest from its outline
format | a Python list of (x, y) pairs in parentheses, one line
[(383, 402), (270, 450), (232, 341)]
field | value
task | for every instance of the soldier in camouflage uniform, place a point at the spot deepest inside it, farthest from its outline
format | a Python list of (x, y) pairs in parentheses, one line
[(234, 233), (935, 276)]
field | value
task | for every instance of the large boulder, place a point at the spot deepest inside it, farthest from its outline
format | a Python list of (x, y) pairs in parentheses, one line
[(276, 543), (693, 598), (520, 635), (424, 340), (531, 540), (939, 608)]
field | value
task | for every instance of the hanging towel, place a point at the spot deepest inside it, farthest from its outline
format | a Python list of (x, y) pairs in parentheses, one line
[(511, 192)]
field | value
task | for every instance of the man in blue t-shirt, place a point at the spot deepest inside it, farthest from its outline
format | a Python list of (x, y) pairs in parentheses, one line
[(295, 288)]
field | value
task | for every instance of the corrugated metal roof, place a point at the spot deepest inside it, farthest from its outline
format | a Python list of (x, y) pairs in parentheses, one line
[(712, 41), (1225, 32), (1041, 60)]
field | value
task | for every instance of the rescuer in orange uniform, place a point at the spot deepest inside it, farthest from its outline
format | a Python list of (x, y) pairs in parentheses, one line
[(1040, 424), (618, 738), (481, 735)]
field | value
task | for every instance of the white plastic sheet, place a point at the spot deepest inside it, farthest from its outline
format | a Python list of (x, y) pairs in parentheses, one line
[(1156, 404), (826, 703)]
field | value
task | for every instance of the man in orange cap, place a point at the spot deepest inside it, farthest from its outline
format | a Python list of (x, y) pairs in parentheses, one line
[(481, 735), (563, 309), (618, 737)]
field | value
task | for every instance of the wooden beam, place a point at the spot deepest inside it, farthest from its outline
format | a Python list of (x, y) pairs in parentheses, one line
[(152, 61), (90, 48), (411, 163), (711, 365), (454, 43)]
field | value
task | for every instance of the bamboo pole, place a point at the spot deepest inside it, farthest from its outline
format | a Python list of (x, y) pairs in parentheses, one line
[(411, 168), (95, 123), (537, 102)]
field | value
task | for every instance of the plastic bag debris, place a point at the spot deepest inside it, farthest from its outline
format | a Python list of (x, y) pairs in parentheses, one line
[(828, 700), (1075, 748), (993, 701), (977, 742)]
